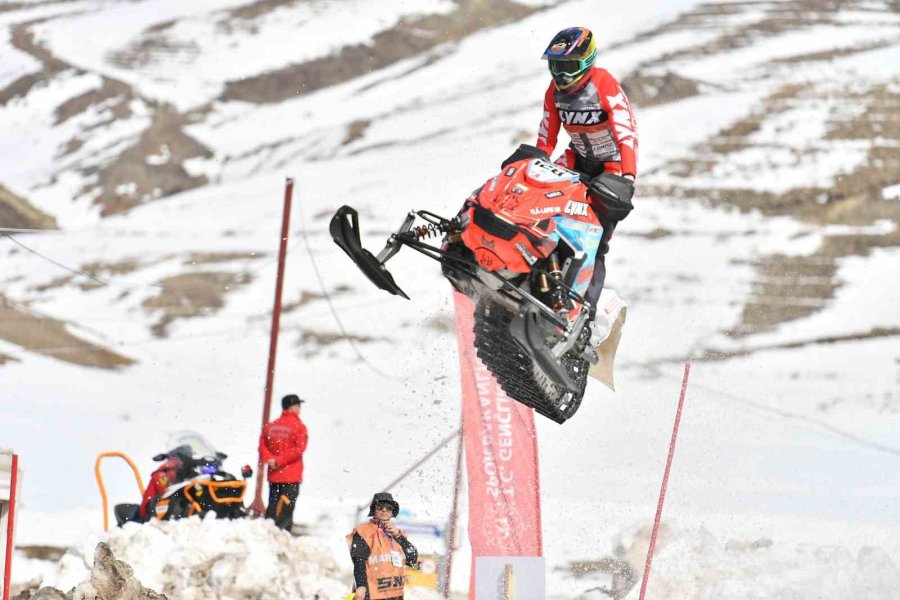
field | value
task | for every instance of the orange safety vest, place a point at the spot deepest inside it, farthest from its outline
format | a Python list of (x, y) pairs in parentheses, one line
[(384, 569)]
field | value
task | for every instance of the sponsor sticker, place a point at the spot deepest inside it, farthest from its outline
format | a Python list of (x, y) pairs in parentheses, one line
[(576, 209), (545, 210), (555, 194), (510, 172), (526, 254)]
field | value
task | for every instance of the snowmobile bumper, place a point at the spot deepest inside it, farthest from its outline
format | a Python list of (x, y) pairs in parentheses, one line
[(530, 335), (344, 229)]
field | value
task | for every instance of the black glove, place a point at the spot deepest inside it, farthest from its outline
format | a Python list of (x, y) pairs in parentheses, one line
[(612, 195), (525, 151)]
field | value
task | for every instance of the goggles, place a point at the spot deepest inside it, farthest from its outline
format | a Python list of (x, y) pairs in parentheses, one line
[(570, 67), (384, 506)]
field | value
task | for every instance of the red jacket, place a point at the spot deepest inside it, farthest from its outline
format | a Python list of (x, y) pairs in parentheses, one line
[(284, 439), (598, 118)]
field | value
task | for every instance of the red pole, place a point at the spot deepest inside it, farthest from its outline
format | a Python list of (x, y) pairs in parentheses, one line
[(10, 526), (258, 505), (665, 482), (451, 533)]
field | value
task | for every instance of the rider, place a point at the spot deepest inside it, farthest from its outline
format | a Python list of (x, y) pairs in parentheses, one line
[(589, 103)]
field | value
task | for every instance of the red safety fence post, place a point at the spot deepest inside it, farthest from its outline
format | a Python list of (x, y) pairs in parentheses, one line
[(258, 507), (10, 526), (665, 481)]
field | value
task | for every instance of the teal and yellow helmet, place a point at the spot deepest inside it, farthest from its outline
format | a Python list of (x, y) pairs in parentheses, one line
[(571, 55)]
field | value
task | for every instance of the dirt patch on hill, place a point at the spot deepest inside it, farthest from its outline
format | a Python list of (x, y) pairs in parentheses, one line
[(22, 38), (5, 358), (50, 337), (259, 8), (17, 213), (191, 295), (113, 95), (645, 89), (787, 288), (312, 341), (152, 168), (205, 258), (409, 38), (827, 55)]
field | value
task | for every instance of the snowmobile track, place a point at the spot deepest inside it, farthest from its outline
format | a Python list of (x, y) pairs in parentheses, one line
[(514, 370)]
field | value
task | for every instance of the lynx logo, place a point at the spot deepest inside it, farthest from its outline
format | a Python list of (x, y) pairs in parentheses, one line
[(545, 210), (510, 172), (582, 117), (555, 194), (576, 209)]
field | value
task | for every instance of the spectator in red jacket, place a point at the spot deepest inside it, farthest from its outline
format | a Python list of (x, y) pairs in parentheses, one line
[(281, 448)]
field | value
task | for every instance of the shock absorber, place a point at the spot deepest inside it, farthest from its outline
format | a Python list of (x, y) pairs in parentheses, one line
[(557, 293)]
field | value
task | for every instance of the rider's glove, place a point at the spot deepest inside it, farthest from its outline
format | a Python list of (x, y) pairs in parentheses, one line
[(612, 194)]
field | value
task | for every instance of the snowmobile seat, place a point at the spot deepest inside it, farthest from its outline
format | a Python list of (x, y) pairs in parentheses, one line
[(126, 513)]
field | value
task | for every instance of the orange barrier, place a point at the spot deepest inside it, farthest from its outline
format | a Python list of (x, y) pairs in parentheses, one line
[(211, 487), (98, 475)]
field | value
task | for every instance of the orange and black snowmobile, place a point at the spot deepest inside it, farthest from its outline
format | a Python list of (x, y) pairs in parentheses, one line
[(189, 482)]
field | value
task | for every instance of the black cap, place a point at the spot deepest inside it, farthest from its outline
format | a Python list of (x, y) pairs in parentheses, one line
[(290, 400), (385, 498)]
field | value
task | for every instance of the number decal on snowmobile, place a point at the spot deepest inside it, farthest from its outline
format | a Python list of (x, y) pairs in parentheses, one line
[(544, 172)]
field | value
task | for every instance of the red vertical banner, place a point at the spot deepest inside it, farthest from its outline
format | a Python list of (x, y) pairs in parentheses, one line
[(501, 458)]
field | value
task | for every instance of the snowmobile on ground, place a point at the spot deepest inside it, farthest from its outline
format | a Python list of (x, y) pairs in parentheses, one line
[(522, 248), (189, 482)]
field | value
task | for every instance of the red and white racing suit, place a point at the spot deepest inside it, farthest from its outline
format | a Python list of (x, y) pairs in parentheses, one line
[(598, 118)]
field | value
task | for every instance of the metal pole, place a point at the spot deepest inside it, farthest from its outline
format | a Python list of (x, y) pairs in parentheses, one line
[(10, 526), (451, 530), (418, 464), (665, 482), (258, 506)]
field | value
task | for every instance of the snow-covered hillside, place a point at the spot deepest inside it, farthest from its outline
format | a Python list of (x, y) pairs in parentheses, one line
[(156, 135)]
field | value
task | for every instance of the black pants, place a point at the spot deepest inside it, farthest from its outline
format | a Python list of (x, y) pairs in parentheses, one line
[(282, 511), (592, 294)]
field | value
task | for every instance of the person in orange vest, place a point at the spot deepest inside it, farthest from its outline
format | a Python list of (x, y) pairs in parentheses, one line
[(281, 448), (379, 551)]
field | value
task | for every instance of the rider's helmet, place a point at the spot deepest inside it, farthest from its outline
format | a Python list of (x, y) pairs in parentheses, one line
[(570, 55)]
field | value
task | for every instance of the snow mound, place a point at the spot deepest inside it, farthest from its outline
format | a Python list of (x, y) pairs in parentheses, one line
[(692, 564), (196, 559)]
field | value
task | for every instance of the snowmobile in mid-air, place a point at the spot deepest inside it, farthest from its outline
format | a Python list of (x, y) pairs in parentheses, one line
[(190, 481), (522, 248)]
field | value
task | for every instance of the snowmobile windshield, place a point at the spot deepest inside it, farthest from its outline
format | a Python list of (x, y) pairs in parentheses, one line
[(199, 446)]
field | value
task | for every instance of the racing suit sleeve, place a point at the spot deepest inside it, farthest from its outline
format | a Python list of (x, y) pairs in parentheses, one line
[(548, 132), (359, 554), (622, 123)]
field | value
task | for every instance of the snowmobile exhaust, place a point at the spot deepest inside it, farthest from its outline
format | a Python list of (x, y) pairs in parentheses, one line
[(344, 229)]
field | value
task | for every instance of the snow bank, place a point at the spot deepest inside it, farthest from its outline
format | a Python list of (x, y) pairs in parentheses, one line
[(692, 564), (196, 559)]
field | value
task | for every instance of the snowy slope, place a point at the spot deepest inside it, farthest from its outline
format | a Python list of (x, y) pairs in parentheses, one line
[(794, 442)]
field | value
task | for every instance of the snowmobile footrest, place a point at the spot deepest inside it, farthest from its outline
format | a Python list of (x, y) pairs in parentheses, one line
[(534, 340), (344, 229)]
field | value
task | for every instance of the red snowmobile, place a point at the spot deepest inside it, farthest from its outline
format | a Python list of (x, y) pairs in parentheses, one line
[(522, 247)]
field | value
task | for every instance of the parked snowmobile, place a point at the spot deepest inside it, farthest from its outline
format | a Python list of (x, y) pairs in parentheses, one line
[(190, 482), (522, 249)]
